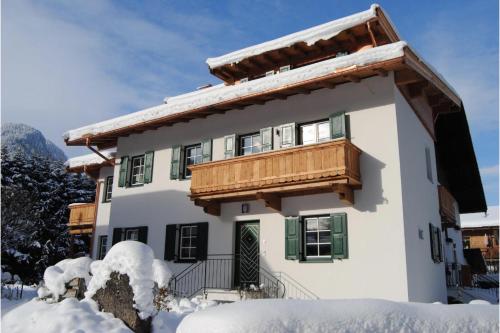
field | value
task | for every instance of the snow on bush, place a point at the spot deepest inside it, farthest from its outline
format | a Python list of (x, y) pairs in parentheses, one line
[(56, 277), (341, 316), (137, 261)]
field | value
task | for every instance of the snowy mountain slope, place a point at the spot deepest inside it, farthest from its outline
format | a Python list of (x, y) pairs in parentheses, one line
[(30, 141)]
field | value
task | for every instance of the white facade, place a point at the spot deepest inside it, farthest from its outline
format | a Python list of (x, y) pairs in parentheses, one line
[(387, 256)]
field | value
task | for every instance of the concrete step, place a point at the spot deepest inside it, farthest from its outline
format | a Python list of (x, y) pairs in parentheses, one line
[(222, 295)]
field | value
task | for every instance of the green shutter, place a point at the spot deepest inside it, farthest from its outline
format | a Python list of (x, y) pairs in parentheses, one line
[(175, 164), (124, 166), (229, 146), (266, 138), (439, 245), (202, 241), (117, 235), (170, 236), (338, 230), (143, 234), (148, 167), (338, 125), (433, 240), (292, 238), (287, 135), (206, 149)]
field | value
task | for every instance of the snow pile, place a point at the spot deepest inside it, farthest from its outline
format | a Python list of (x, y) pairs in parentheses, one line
[(70, 315), (167, 322), (309, 36), (56, 277), (341, 316), (137, 261), (89, 159), (222, 93)]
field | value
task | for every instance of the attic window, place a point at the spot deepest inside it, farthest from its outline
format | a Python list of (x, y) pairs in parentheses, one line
[(269, 73), (284, 68)]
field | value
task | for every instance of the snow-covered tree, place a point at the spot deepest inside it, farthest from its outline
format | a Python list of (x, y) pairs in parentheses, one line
[(36, 192)]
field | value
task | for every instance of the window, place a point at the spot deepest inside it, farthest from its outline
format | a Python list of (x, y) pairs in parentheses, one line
[(135, 233), (137, 170), (102, 244), (131, 234), (428, 163), (436, 246), (466, 242), (188, 242), (193, 155), (250, 144), (108, 189), (318, 239), (315, 132)]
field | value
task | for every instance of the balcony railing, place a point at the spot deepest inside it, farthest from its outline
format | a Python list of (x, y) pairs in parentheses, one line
[(81, 218), (325, 167), (446, 206)]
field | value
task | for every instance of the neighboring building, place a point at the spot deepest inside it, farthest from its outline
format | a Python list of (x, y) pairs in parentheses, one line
[(324, 166), (483, 235)]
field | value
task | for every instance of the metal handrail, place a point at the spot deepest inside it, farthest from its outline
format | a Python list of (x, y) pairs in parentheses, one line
[(296, 287), (216, 272)]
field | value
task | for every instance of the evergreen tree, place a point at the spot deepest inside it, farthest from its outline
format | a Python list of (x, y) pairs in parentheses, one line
[(36, 192)]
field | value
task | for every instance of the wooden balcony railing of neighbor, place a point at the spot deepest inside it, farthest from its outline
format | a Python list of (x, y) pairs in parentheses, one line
[(325, 167), (446, 206), (81, 218)]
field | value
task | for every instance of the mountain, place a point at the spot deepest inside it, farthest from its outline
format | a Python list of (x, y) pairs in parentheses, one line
[(30, 141)]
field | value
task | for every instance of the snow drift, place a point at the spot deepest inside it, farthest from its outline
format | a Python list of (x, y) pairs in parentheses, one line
[(341, 316)]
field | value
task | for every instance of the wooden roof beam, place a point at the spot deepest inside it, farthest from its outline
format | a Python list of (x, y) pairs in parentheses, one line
[(352, 78), (381, 72), (407, 76), (271, 200)]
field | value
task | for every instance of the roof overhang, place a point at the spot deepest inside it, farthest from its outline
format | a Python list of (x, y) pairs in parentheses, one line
[(347, 34)]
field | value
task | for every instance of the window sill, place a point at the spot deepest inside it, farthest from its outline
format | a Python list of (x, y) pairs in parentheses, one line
[(319, 260)]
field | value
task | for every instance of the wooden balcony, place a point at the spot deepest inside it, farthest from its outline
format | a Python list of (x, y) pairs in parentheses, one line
[(81, 218), (446, 207), (325, 167)]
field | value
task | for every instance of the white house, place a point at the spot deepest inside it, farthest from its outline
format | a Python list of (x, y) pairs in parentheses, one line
[(330, 163)]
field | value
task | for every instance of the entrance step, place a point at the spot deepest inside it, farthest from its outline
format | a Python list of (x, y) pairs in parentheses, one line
[(222, 295)]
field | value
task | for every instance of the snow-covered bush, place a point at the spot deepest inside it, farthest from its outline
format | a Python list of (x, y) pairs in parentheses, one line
[(56, 277), (145, 273)]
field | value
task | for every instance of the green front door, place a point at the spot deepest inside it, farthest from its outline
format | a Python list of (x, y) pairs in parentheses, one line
[(247, 254)]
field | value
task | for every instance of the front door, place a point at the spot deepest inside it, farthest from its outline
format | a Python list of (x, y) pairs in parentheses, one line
[(247, 254)]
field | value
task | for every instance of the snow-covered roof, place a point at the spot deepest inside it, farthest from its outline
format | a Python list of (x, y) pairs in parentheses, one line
[(89, 159), (222, 93), (309, 36), (479, 220)]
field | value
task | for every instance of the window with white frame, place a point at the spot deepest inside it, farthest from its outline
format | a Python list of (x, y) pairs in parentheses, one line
[(137, 173), (188, 243), (315, 132), (132, 234), (250, 144), (108, 189), (318, 242), (192, 155), (103, 243)]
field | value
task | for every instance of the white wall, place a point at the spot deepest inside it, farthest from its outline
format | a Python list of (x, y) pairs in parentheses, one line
[(103, 211), (379, 223), (426, 279)]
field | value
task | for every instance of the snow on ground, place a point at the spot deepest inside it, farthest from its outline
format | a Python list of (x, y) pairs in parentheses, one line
[(28, 294), (55, 277), (69, 315), (341, 316), (137, 261)]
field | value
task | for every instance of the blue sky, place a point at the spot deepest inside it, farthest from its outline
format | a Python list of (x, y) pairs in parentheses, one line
[(70, 63)]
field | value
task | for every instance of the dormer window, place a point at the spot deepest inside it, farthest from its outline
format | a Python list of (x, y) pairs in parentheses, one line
[(284, 68)]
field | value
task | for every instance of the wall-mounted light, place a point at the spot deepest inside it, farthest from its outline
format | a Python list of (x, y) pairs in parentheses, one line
[(245, 208)]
